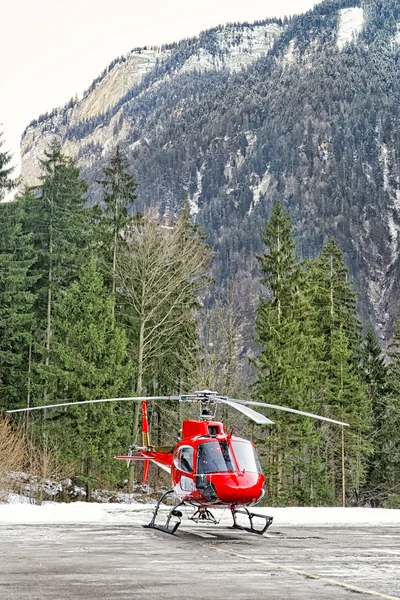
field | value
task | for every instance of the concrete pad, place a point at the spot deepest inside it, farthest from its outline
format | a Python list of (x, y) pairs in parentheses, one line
[(104, 562)]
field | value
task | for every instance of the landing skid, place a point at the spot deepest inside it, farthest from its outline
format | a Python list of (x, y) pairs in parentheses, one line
[(167, 528), (251, 516)]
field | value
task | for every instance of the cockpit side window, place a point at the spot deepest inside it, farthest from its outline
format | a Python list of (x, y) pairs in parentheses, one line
[(186, 459)]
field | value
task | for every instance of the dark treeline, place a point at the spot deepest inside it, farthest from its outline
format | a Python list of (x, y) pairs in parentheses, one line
[(101, 301), (315, 357), (95, 302)]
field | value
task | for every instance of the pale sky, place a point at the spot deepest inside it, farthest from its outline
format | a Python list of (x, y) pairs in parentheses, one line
[(53, 49)]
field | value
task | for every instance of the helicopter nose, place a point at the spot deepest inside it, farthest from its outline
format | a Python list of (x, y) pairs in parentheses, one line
[(239, 488)]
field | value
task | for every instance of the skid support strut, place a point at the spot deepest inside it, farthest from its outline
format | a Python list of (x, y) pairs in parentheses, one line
[(202, 514), (172, 513), (251, 516)]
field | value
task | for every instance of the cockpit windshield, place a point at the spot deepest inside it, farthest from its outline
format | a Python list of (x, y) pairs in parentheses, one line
[(214, 457), (246, 456)]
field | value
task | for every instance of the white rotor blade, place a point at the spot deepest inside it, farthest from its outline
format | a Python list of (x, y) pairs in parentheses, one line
[(292, 410), (134, 398), (252, 414)]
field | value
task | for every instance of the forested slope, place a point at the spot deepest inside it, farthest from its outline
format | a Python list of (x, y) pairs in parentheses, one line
[(305, 110)]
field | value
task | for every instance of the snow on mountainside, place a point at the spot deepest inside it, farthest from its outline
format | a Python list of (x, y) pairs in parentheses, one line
[(236, 50), (350, 25), (304, 109)]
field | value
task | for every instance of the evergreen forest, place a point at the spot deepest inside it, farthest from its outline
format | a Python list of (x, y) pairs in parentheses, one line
[(99, 299)]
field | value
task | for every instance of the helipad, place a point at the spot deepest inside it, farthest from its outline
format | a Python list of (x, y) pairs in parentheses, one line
[(101, 562)]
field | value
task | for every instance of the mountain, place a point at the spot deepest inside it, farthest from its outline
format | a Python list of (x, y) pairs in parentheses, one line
[(306, 109)]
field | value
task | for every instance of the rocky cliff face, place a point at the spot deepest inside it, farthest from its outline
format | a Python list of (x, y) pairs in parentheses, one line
[(234, 48), (306, 110)]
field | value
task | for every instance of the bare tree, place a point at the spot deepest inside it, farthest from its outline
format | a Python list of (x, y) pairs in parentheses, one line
[(160, 271), (222, 341), (13, 454)]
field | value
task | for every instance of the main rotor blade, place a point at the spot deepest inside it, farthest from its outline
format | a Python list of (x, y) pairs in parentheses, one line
[(291, 410), (252, 414), (60, 404)]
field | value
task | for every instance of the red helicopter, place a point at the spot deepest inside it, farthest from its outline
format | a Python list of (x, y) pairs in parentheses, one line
[(209, 467)]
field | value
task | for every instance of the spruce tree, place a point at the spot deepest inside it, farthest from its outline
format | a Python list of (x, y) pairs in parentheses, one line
[(56, 216), (287, 366), (119, 193), (6, 170), (376, 379), (90, 361), (16, 307), (344, 394), (333, 297), (389, 433)]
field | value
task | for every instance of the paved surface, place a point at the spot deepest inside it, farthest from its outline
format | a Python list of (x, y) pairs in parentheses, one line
[(101, 562)]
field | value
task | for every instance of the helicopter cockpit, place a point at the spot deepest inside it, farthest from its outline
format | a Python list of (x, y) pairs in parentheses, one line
[(221, 456)]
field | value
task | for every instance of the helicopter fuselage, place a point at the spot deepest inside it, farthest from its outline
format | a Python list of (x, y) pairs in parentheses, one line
[(210, 467)]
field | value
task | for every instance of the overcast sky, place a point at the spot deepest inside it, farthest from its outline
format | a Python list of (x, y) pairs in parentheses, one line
[(53, 49)]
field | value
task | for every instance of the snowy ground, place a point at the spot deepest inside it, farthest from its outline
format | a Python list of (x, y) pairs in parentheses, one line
[(81, 512)]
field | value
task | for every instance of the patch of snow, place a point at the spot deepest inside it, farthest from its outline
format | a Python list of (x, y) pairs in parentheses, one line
[(396, 38), (194, 201), (251, 138), (238, 47), (202, 61), (235, 162), (260, 188), (82, 512), (247, 45), (385, 166), (135, 144), (323, 151), (107, 146), (290, 55), (394, 228), (351, 22), (397, 201)]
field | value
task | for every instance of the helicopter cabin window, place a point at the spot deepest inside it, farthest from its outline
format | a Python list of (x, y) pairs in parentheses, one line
[(187, 484), (246, 456), (214, 457), (185, 460)]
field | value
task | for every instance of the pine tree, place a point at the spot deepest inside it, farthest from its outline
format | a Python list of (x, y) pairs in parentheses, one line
[(287, 366), (119, 194), (333, 297), (6, 183), (376, 378), (60, 226), (16, 307), (90, 361), (344, 395), (390, 449)]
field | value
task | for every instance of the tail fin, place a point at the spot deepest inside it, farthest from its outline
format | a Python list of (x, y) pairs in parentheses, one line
[(145, 440), (145, 426)]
